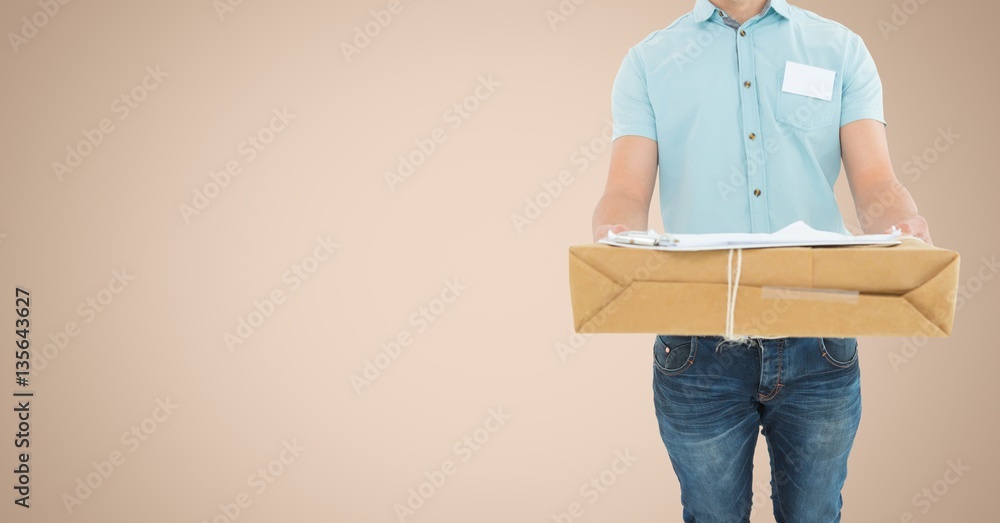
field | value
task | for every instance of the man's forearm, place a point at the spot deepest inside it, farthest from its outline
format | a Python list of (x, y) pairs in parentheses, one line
[(881, 206), (619, 209)]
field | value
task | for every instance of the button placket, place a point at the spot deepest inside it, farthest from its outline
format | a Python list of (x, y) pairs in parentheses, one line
[(753, 146)]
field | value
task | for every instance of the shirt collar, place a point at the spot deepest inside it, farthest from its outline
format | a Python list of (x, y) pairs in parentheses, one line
[(703, 9)]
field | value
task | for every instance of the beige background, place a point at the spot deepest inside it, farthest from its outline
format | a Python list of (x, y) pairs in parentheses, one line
[(161, 337)]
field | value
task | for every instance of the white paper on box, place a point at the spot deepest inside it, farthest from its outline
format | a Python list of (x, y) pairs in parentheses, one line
[(798, 234)]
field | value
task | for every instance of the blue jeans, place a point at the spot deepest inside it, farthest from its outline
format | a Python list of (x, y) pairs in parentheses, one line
[(804, 394)]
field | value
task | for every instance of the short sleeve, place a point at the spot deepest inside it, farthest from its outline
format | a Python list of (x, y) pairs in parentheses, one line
[(631, 110), (862, 94)]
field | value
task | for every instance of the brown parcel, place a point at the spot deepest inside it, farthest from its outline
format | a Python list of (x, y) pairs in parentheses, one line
[(903, 290)]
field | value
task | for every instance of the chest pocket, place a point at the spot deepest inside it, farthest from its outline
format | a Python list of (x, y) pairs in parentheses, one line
[(806, 113)]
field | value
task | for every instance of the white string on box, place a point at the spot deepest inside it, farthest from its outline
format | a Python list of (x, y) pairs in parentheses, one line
[(732, 288)]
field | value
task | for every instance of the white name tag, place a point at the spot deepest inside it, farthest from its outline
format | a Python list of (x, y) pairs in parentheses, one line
[(807, 80)]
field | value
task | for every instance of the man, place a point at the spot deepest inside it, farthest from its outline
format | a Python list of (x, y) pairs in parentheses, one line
[(747, 108)]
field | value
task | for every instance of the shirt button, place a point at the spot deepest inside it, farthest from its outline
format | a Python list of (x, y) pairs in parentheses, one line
[(743, 33), (746, 84), (721, 13), (756, 192), (753, 136)]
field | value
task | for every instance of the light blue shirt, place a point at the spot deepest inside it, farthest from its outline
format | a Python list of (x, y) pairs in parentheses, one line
[(736, 152)]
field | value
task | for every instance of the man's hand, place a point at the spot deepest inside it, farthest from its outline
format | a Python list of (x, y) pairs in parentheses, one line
[(625, 203), (602, 231), (880, 199), (915, 226)]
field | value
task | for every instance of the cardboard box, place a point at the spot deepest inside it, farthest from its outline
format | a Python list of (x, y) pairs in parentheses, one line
[(908, 289)]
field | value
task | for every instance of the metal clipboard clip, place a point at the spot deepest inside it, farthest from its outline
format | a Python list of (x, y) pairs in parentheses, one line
[(648, 238)]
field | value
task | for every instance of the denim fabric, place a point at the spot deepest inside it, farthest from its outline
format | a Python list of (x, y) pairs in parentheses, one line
[(710, 398)]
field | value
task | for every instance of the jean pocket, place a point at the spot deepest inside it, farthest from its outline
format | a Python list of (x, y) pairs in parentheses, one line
[(839, 352), (806, 113), (672, 355)]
